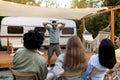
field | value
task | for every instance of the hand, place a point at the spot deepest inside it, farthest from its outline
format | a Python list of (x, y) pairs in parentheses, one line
[(111, 71)]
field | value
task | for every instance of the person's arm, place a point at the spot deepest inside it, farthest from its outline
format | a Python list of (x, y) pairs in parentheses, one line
[(89, 69), (57, 69), (62, 24), (45, 24), (114, 68)]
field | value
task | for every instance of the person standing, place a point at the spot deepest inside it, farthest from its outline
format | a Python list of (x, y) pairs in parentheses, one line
[(29, 59), (54, 32)]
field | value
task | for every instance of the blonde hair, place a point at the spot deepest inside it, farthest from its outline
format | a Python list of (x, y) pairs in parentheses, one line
[(74, 55)]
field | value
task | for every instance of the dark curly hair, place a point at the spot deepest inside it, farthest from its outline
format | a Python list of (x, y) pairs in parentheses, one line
[(33, 39)]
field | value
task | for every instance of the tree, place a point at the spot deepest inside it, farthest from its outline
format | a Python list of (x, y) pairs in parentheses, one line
[(111, 4), (79, 4), (27, 2), (48, 3), (95, 3), (52, 3), (96, 23), (83, 4)]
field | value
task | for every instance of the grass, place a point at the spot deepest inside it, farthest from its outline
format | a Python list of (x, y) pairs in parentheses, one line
[(3, 77)]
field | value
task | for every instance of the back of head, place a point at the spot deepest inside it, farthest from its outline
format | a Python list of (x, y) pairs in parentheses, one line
[(33, 39), (107, 53), (74, 56), (53, 21)]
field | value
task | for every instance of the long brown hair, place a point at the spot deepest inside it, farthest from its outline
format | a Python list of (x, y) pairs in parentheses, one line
[(74, 55)]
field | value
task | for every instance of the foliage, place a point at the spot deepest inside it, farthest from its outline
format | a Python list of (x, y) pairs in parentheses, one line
[(111, 4), (48, 3), (27, 2), (78, 24), (96, 23), (51, 3), (117, 22), (79, 3)]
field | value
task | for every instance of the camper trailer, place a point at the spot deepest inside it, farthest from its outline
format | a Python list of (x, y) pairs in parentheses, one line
[(17, 26)]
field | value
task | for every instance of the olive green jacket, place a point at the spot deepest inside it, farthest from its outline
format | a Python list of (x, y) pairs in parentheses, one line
[(26, 60)]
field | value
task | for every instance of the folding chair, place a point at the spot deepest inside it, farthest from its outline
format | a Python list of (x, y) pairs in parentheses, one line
[(95, 71), (23, 74), (114, 76), (69, 74)]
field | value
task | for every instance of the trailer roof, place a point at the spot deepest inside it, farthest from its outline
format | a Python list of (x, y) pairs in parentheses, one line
[(14, 9), (33, 21)]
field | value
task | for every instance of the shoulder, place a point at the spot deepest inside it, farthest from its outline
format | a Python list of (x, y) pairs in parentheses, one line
[(39, 59), (60, 58), (38, 56), (50, 28), (59, 27), (19, 51), (94, 56)]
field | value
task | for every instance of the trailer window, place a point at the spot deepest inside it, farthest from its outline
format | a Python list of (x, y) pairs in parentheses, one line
[(40, 29), (68, 31), (15, 30)]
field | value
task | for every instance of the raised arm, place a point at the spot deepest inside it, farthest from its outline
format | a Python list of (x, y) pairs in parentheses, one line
[(45, 24), (62, 24)]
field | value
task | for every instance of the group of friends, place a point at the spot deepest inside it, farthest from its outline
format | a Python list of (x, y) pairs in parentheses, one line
[(29, 59)]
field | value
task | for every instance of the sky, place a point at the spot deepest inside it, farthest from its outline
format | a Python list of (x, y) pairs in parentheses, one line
[(65, 3)]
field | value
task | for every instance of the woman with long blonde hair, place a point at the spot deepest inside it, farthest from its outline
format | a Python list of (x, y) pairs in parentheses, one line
[(73, 61), (74, 56)]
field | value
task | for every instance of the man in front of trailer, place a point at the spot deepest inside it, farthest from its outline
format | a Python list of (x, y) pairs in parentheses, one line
[(54, 32)]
